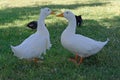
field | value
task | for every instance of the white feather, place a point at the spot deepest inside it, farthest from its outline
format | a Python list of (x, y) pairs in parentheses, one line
[(37, 43), (77, 43)]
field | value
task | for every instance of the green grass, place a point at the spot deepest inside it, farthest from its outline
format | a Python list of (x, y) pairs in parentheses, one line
[(101, 20)]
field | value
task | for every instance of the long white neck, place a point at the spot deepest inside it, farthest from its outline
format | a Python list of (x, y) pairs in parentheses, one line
[(71, 28), (41, 23), (41, 28)]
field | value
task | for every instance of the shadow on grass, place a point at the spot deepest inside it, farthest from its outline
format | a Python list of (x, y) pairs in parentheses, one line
[(113, 26), (93, 29), (10, 15), (112, 22)]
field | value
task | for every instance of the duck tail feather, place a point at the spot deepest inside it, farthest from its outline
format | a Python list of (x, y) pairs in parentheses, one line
[(107, 41)]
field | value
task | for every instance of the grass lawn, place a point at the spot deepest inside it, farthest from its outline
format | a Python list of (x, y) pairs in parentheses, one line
[(101, 21)]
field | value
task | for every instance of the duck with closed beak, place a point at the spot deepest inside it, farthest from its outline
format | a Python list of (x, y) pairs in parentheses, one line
[(78, 44), (37, 43)]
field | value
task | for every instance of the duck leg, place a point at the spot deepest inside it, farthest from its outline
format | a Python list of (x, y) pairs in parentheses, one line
[(75, 59), (35, 60), (81, 60)]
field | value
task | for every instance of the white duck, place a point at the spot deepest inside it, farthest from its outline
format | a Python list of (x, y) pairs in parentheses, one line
[(80, 45), (37, 43)]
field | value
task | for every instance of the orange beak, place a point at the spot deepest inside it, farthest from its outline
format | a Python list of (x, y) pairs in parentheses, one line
[(52, 12), (60, 15)]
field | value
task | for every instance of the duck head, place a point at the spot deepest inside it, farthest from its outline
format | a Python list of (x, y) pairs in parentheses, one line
[(46, 11), (71, 21), (67, 14)]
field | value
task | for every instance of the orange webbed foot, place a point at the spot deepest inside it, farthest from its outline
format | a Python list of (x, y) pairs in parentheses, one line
[(35, 60), (74, 59), (80, 61)]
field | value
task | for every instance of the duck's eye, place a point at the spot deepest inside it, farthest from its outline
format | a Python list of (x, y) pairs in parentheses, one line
[(48, 10), (66, 12)]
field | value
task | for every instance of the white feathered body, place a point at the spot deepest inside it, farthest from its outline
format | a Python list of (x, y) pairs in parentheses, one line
[(81, 45), (37, 43), (33, 46), (76, 43)]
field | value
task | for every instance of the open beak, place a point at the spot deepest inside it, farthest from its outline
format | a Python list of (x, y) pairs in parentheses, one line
[(60, 15), (52, 12)]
